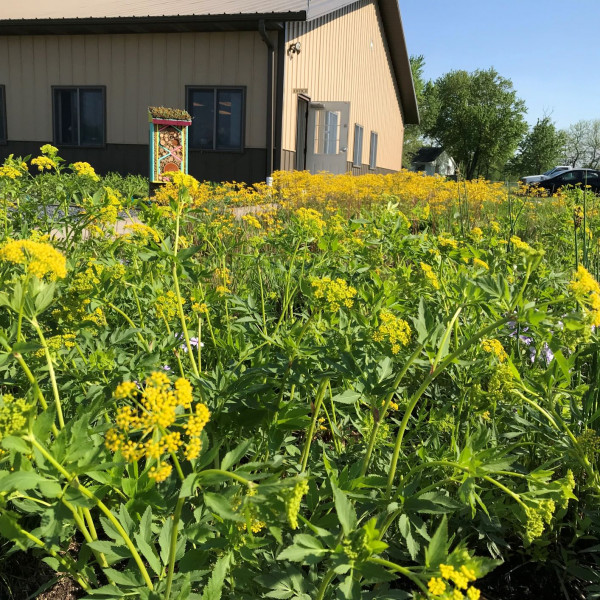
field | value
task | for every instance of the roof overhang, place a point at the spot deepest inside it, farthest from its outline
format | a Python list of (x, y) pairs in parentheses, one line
[(163, 24), (394, 32)]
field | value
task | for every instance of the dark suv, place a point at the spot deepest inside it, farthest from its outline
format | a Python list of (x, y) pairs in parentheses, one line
[(573, 177)]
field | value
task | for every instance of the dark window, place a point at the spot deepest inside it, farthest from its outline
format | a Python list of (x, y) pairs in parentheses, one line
[(373, 151), (217, 118), (79, 116), (2, 115), (358, 139)]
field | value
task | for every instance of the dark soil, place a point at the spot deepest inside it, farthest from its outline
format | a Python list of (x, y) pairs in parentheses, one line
[(23, 576)]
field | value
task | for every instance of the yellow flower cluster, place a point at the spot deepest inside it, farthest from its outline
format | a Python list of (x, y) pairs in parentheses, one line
[(252, 221), (538, 515), (43, 162), (256, 524), (40, 259), (155, 426), (10, 172), (477, 262), (58, 342), (293, 502), (336, 292), (179, 185), (587, 290), (493, 346), (476, 234), (430, 275), (446, 242), (143, 232), (84, 169), (311, 221), (396, 331), (49, 150), (166, 305), (440, 586), (13, 414)]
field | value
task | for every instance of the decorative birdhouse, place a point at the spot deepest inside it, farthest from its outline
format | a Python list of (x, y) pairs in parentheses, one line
[(168, 141)]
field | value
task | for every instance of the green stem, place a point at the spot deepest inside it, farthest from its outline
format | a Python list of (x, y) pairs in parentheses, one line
[(385, 408), (57, 403), (71, 478), (311, 430), (173, 546), (402, 570), (324, 583), (417, 395), (69, 568)]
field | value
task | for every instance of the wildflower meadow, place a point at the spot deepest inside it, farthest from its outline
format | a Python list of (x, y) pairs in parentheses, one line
[(376, 387)]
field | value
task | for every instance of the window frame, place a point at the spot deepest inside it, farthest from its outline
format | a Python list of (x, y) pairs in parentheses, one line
[(3, 117), (215, 89), (373, 155), (56, 88), (357, 151)]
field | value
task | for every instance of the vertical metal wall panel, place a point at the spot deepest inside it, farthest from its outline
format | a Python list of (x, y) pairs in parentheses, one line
[(138, 70), (344, 57)]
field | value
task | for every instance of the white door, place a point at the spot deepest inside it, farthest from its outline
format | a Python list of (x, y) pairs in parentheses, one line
[(327, 137)]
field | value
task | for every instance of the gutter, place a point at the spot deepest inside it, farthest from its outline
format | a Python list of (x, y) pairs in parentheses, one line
[(269, 132)]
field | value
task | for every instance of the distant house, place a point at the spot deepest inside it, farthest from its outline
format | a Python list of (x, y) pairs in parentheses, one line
[(293, 84), (433, 161)]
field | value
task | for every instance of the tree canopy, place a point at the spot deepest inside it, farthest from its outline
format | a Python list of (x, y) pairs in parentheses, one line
[(476, 117), (413, 138), (582, 147), (541, 149)]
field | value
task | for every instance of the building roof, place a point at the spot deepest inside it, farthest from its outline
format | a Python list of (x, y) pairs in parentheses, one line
[(426, 154), (32, 17)]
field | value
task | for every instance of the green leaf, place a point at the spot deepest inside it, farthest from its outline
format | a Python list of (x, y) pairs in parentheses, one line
[(124, 578), (233, 456), (344, 509), (213, 590), (12, 442), (113, 552), (222, 507), (20, 481), (305, 548), (347, 397), (437, 550), (149, 552)]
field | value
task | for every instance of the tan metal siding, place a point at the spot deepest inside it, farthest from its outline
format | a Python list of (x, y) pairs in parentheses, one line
[(138, 70), (345, 57)]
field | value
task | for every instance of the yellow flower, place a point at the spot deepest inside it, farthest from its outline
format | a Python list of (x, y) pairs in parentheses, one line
[(494, 347), (49, 150), (481, 263), (473, 593), (396, 331), (125, 390), (39, 258), (336, 292), (84, 169), (430, 275), (583, 283), (436, 586), (10, 172), (161, 473), (447, 571), (43, 162), (311, 221), (476, 234), (293, 502)]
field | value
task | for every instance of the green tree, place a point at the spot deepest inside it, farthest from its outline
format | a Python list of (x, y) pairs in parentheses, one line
[(413, 135), (540, 150), (476, 117)]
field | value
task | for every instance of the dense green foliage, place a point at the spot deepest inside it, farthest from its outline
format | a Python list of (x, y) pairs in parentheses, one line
[(314, 402), (540, 150)]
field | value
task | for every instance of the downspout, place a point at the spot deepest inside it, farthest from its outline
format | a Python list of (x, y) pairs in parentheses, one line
[(270, 56)]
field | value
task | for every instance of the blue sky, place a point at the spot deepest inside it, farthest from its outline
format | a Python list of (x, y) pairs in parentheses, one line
[(550, 49)]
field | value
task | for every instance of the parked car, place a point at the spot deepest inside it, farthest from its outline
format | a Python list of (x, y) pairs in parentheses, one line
[(551, 173), (583, 177)]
